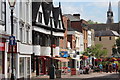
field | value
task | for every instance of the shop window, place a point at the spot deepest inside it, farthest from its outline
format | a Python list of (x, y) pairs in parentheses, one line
[(1, 67), (28, 67), (21, 66)]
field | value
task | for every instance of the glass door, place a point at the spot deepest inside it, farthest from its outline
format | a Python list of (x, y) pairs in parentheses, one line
[(27, 68)]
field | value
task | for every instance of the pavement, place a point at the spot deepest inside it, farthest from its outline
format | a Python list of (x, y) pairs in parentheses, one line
[(91, 76)]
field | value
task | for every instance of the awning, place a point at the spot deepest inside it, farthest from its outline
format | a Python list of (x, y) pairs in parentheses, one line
[(62, 59)]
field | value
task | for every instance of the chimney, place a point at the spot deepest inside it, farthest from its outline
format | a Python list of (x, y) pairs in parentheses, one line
[(77, 15)]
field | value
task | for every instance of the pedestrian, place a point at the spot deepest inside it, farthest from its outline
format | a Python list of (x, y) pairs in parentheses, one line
[(100, 67), (119, 67), (110, 68), (116, 68), (106, 68)]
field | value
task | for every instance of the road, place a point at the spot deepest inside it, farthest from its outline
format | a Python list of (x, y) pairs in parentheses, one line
[(92, 76)]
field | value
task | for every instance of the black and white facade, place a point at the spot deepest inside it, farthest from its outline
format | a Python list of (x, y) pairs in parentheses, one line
[(45, 16)]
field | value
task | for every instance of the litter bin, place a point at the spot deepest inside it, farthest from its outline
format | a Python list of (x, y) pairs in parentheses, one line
[(73, 71), (58, 73)]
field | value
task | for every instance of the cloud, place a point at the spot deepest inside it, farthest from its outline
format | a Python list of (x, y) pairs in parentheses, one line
[(90, 10), (85, 0), (71, 9)]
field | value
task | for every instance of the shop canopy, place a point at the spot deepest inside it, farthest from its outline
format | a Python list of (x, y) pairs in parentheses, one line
[(62, 59)]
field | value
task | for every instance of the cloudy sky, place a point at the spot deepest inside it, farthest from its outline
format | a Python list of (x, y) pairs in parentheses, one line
[(89, 9)]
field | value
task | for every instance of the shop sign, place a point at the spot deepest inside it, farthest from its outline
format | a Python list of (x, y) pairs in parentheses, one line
[(2, 46), (14, 48), (64, 54), (12, 40)]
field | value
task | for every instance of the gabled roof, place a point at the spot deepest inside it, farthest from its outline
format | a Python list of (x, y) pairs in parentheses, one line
[(56, 13), (71, 17), (35, 9), (106, 33), (47, 8)]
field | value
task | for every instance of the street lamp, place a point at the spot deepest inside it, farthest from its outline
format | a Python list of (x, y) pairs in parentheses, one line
[(52, 67), (12, 4)]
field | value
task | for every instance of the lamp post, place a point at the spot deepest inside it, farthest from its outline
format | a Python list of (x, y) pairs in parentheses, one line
[(12, 4), (52, 67)]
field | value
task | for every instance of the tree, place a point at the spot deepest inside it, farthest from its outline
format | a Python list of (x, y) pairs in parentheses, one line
[(92, 22), (96, 51), (118, 44)]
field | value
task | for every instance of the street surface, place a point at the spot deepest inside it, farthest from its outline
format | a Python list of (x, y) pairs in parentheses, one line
[(91, 76)]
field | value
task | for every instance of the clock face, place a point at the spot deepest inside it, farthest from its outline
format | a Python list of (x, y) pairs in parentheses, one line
[(109, 14)]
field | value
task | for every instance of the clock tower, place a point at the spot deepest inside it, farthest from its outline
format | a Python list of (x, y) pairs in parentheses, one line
[(110, 14)]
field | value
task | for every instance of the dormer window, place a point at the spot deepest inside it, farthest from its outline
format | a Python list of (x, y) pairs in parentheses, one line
[(40, 17)]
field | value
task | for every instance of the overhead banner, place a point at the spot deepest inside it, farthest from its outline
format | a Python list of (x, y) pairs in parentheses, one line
[(2, 46)]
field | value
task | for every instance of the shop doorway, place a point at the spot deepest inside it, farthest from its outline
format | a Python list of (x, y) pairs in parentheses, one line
[(25, 67)]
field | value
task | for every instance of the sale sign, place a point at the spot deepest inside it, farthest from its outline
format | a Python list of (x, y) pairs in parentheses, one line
[(2, 46)]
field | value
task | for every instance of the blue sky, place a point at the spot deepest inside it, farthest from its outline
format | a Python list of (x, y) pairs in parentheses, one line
[(89, 10)]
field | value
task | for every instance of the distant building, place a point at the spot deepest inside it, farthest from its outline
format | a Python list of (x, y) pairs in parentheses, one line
[(107, 39), (75, 23)]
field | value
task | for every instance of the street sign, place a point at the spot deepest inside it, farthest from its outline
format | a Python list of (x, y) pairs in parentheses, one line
[(12, 40)]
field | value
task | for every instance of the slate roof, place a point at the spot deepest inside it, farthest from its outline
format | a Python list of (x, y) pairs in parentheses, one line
[(71, 17), (71, 29), (99, 27), (106, 33)]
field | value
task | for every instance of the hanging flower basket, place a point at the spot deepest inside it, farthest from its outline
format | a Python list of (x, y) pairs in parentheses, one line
[(96, 60), (84, 57), (100, 59), (118, 59)]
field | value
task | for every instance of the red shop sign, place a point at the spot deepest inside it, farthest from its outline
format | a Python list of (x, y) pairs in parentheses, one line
[(14, 48), (2, 46)]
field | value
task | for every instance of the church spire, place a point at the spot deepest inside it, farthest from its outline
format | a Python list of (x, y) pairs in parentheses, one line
[(110, 14), (109, 9)]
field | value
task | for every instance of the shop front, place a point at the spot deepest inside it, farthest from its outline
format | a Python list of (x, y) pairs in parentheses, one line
[(2, 55), (2, 52), (22, 61)]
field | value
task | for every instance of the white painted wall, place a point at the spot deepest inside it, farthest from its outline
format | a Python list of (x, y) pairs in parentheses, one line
[(56, 51), (45, 51), (37, 49), (26, 18), (81, 43), (89, 38), (24, 49)]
